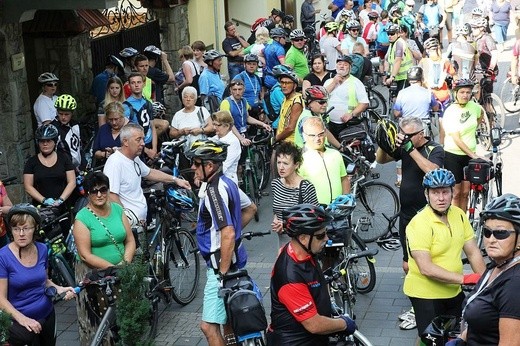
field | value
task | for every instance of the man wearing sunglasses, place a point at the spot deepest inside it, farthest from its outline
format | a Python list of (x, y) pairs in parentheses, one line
[(436, 238), (301, 310), (295, 57), (353, 35), (398, 58)]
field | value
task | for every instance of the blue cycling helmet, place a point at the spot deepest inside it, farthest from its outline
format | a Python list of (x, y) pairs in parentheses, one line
[(178, 199), (280, 69), (343, 202), (437, 178)]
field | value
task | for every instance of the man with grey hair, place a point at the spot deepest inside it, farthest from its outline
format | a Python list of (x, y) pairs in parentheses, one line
[(125, 169)]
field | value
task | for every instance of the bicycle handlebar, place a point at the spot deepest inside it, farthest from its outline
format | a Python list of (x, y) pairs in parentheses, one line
[(250, 235)]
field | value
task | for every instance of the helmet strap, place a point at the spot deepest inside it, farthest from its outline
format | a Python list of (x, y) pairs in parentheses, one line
[(306, 248)]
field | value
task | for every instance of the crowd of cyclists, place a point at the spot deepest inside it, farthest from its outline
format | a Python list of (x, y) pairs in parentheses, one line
[(314, 107)]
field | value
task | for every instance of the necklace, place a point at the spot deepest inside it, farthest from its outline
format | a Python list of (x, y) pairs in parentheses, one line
[(253, 85)]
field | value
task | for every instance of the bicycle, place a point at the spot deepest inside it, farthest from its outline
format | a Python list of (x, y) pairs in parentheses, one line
[(390, 240), (510, 95), (253, 169), (262, 142), (376, 100), (493, 108)]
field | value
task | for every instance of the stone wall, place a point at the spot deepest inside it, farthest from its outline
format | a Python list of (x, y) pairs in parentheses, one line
[(15, 117)]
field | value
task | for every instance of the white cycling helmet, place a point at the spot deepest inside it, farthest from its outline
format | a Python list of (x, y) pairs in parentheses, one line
[(477, 12), (47, 77), (389, 244)]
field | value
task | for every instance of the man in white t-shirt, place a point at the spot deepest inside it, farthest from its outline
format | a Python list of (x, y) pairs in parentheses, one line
[(125, 169)]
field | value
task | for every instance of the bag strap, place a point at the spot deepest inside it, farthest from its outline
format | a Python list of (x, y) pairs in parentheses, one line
[(195, 67), (300, 197), (108, 232), (200, 116)]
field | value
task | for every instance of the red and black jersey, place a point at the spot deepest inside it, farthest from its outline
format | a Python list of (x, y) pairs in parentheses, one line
[(298, 292)]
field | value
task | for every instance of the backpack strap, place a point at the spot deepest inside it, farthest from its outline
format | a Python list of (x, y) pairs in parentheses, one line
[(201, 117), (133, 112), (195, 67)]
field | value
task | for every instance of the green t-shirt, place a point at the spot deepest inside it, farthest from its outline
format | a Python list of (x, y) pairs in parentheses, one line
[(464, 121), (102, 244), (298, 61)]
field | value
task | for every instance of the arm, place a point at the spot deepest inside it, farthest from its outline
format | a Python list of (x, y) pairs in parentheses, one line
[(158, 176), (433, 271), (227, 239), (306, 84), (323, 325), (345, 184), (424, 164), (176, 133), (7, 205), (508, 330), (474, 256), (188, 77), (256, 122), (296, 110), (168, 69), (28, 184), (383, 157), (129, 241), (5, 305), (114, 197), (514, 69), (84, 246), (462, 146), (71, 185)]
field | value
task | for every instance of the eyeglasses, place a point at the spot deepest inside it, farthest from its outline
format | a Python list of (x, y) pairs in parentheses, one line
[(499, 234), (322, 102), (103, 190), (410, 135), (298, 39), (286, 82), (137, 169), (51, 84), (392, 33), (25, 229), (197, 164), (354, 30), (320, 236), (314, 136)]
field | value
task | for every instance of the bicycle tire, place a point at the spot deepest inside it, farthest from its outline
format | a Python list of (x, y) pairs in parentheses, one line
[(377, 102), (182, 266), (61, 273), (373, 200), (484, 133), (363, 268), (497, 113), (510, 96), (154, 315), (258, 164), (252, 191)]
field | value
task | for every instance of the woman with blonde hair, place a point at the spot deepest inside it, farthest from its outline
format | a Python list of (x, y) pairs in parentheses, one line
[(114, 92), (262, 38), (223, 124), (107, 140), (188, 69)]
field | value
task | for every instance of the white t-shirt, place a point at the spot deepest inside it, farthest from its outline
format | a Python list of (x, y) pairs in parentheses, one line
[(328, 48), (44, 109), (190, 120), (348, 43), (230, 165), (339, 97), (125, 180)]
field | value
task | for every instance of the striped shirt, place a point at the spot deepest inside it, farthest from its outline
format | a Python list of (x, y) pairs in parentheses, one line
[(285, 197)]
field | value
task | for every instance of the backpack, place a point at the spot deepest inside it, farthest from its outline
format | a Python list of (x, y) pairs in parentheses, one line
[(382, 36), (268, 105), (357, 65)]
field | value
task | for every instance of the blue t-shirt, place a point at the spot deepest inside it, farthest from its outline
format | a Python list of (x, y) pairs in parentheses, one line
[(104, 139), (99, 85), (272, 52), (340, 4), (210, 83), (142, 115), (26, 285), (252, 87), (277, 97)]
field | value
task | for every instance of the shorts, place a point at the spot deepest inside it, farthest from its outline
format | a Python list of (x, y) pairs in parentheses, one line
[(455, 164), (213, 308), (427, 309), (381, 51)]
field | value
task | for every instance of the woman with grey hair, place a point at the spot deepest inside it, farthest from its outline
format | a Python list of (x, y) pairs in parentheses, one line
[(191, 122)]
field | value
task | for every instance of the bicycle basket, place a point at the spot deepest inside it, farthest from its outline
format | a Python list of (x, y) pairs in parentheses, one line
[(478, 171)]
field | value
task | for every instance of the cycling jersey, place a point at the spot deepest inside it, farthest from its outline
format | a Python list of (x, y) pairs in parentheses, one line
[(426, 232), (252, 87), (328, 47), (140, 111), (298, 292), (297, 59), (285, 114), (210, 83), (69, 141), (273, 52), (463, 120), (238, 110), (415, 100)]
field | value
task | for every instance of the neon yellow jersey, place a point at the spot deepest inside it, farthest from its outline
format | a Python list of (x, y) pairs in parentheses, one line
[(426, 232), (285, 115), (407, 61), (463, 120)]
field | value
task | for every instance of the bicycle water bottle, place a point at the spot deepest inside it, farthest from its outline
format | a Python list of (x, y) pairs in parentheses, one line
[(79, 183), (158, 260)]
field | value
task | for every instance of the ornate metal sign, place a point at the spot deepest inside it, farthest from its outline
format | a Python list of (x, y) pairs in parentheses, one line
[(126, 15)]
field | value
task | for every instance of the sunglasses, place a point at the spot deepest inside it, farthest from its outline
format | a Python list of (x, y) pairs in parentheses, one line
[(51, 84), (410, 135), (320, 236), (240, 83), (198, 163), (298, 39), (499, 234), (103, 190), (354, 30), (321, 102), (392, 33)]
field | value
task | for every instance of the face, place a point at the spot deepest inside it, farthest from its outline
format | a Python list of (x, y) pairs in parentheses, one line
[(251, 66), (197, 53), (354, 32), (314, 137), (440, 199), (342, 68), (349, 5), (50, 88), (23, 234), (64, 116), (476, 31), (464, 95), (98, 195), (188, 100), (415, 133), (286, 165), (135, 143), (232, 30), (277, 19), (237, 91), (46, 146), (317, 65), (499, 249), (202, 171), (299, 43), (114, 89), (318, 240), (142, 67), (393, 36), (318, 106), (217, 64), (221, 129), (136, 85), (287, 85), (115, 120)]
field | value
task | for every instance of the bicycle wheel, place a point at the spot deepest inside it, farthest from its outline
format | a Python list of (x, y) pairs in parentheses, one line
[(258, 164), (250, 184), (373, 200), (182, 266), (484, 133), (362, 269), (377, 102), (495, 109), (153, 323), (510, 96), (61, 273)]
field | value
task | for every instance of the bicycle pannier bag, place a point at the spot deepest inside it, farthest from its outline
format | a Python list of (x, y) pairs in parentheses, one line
[(245, 310), (353, 132), (478, 171)]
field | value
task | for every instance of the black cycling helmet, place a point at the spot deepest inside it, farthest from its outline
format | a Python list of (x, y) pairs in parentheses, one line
[(251, 58), (23, 208), (386, 135), (304, 219), (208, 149), (277, 12), (505, 207), (463, 83), (114, 60), (46, 131), (415, 73), (211, 55), (288, 19), (277, 32), (344, 57)]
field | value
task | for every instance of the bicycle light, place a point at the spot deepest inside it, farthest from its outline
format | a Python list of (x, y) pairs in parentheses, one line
[(496, 136)]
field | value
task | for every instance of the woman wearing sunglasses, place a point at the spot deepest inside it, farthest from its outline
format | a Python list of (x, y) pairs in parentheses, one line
[(44, 109), (491, 312), (103, 238)]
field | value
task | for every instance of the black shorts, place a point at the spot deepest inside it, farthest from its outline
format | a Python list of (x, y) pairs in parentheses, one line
[(427, 309), (19, 335), (456, 164)]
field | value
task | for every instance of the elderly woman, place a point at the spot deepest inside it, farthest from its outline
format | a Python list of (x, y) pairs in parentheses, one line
[(223, 123), (48, 177), (24, 281), (289, 188), (113, 93), (107, 139), (191, 122), (5, 206), (103, 238), (491, 312)]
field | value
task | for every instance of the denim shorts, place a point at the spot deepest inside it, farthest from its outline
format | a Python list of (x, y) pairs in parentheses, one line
[(213, 309)]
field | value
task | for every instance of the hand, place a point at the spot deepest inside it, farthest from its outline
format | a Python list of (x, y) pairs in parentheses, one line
[(30, 324), (346, 117), (407, 145), (58, 202), (267, 127), (150, 153), (470, 279), (186, 131), (456, 342), (514, 79), (277, 226), (389, 80), (183, 183), (69, 292), (164, 56), (49, 202), (245, 142), (351, 325), (338, 79)]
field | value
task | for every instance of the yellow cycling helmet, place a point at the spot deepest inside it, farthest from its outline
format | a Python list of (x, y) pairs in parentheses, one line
[(65, 102), (386, 135)]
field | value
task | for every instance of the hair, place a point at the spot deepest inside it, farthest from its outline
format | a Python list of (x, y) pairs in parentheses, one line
[(96, 178), (115, 107), (20, 219), (384, 14), (198, 45), (136, 74), (189, 90), (228, 24), (412, 120), (139, 58), (127, 130), (289, 149), (108, 97), (358, 48), (313, 121), (223, 117), (261, 35), (186, 52), (318, 56)]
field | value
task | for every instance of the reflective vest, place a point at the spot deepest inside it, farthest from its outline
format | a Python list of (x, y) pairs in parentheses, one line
[(352, 97), (406, 62)]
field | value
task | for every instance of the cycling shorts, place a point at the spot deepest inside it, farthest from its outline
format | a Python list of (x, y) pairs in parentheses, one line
[(455, 164)]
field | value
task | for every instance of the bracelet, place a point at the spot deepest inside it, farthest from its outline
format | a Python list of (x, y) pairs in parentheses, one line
[(43, 200)]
